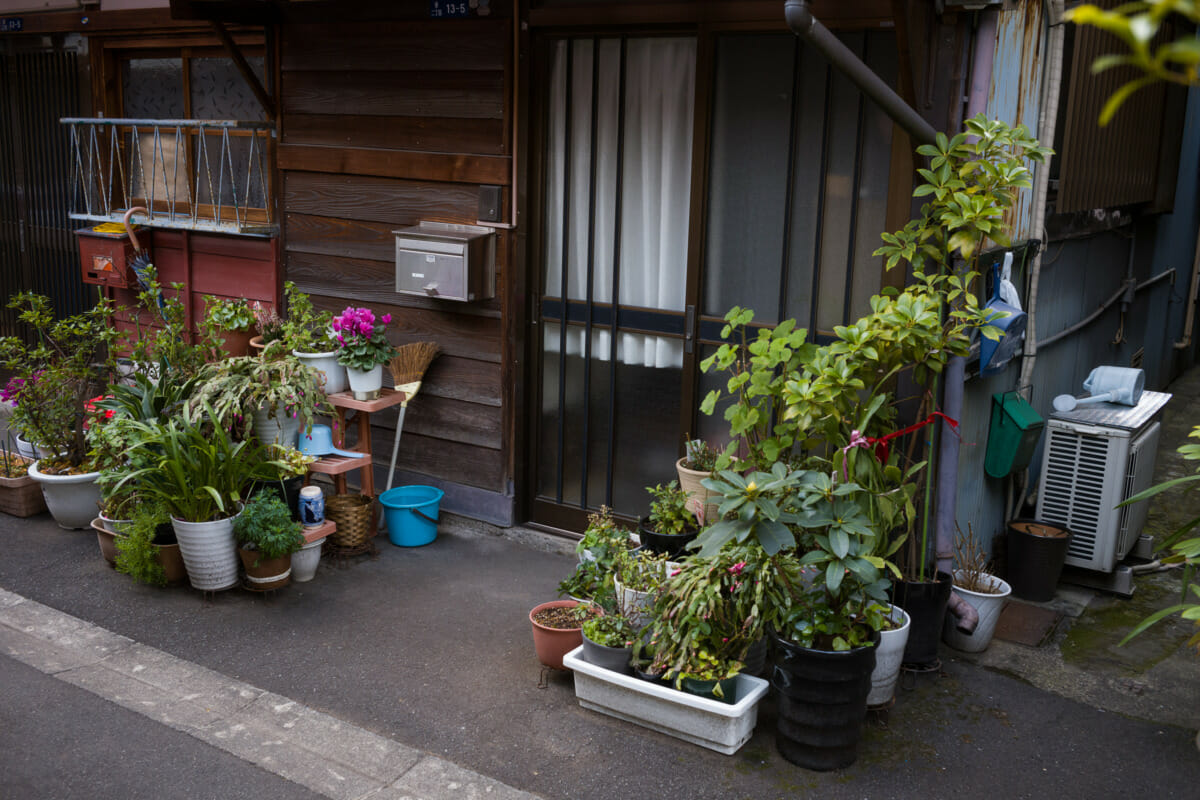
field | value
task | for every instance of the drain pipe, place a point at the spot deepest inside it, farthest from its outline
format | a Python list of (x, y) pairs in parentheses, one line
[(1047, 120), (802, 23)]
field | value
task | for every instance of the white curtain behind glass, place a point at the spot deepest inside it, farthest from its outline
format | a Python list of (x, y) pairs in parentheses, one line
[(656, 187)]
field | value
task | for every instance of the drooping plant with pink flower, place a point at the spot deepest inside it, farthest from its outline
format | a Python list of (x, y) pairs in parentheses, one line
[(362, 338)]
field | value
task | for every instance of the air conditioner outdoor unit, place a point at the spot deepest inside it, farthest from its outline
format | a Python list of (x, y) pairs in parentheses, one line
[(1095, 458)]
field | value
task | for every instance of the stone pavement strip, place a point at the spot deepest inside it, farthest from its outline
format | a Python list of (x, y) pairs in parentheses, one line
[(276, 734)]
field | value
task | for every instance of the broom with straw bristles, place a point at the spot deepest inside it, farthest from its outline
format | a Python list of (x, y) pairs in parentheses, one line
[(408, 366)]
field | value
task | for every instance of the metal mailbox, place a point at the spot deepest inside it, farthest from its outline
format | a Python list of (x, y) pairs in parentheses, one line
[(446, 261)]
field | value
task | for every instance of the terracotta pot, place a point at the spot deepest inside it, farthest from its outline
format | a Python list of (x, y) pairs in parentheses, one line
[(237, 343), (268, 573), (689, 481), (551, 644)]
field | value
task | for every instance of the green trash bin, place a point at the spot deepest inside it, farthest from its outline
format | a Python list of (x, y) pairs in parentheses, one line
[(1013, 435)]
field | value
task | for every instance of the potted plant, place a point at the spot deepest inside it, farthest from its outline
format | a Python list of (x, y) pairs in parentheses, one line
[(65, 363), (230, 322), (671, 523), (199, 473), (20, 495), (269, 325), (273, 398), (267, 536), (147, 550), (309, 334), (608, 641), (976, 585), (698, 463), (289, 480), (363, 349), (558, 629), (637, 579), (597, 551)]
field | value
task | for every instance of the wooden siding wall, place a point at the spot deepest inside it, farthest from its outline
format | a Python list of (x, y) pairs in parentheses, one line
[(383, 125)]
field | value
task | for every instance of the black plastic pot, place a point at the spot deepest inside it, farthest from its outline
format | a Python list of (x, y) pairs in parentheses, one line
[(288, 492), (822, 701), (1036, 552), (708, 689), (673, 544), (925, 602), (614, 658)]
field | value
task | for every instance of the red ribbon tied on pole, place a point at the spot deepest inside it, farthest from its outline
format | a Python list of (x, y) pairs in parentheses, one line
[(880, 443)]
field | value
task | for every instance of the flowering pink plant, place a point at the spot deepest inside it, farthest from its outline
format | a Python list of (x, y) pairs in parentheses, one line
[(362, 342)]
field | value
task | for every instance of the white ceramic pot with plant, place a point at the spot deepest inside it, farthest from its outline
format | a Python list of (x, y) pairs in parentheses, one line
[(988, 596), (73, 500), (363, 349), (275, 426), (888, 657), (326, 363)]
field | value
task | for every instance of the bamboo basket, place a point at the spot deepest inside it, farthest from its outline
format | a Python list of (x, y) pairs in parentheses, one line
[(352, 513)]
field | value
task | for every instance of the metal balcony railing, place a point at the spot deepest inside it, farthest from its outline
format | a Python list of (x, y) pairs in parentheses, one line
[(205, 175)]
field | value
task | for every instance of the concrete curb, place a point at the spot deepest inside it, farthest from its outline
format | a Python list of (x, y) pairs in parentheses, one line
[(279, 735)]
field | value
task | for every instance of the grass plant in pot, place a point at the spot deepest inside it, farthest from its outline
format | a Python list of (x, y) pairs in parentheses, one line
[(309, 334), (363, 349), (975, 585), (671, 523), (64, 364), (200, 475), (267, 536)]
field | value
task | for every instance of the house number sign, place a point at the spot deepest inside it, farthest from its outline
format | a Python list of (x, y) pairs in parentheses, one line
[(12, 24), (444, 9)]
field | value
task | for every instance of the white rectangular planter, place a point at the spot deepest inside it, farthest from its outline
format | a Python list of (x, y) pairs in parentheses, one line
[(709, 723)]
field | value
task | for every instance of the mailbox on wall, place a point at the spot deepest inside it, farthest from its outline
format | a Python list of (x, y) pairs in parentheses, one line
[(446, 261)]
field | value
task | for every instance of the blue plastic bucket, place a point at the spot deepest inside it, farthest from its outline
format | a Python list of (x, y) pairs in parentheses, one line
[(411, 513)]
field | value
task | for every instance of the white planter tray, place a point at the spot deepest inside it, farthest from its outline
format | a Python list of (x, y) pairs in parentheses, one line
[(709, 723)]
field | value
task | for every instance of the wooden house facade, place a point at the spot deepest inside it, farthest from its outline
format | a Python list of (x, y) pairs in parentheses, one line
[(644, 167)]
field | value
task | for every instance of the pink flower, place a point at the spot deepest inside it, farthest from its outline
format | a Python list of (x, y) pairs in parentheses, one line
[(737, 568)]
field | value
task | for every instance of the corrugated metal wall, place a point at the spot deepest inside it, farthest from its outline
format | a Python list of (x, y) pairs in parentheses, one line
[(38, 250)]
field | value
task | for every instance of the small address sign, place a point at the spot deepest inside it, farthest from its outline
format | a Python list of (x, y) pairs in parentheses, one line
[(445, 9)]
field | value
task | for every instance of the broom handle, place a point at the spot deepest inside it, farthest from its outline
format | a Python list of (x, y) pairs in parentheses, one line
[(396, 444)]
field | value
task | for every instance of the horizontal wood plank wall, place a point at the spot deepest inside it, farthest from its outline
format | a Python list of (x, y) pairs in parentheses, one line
[(384, 125)]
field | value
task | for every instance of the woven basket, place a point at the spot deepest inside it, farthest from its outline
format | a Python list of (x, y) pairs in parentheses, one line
[(352, 513), (21, 497)]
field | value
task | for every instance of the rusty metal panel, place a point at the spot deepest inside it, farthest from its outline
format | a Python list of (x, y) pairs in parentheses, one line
[(1118, 164), (1016, 90)]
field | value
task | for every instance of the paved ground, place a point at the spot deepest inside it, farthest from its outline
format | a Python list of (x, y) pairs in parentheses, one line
[(398, 672)]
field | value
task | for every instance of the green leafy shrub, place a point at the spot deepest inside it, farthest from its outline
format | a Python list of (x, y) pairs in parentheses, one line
[(266, 525)]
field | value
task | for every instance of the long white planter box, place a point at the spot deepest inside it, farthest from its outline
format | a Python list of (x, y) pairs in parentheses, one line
[(709, 723)]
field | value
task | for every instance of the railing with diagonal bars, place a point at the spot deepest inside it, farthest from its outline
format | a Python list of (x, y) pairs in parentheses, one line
[(206, 175)]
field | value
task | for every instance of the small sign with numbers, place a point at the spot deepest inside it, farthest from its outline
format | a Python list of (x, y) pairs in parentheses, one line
[(445, 9), (13, 24)]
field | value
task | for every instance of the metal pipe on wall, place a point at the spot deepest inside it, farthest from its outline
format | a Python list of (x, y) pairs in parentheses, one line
[(802, 23), (946, 513)]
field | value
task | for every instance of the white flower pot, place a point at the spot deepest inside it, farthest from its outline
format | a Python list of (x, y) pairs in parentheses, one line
[(305, 561), (280, 429), (888, 657), (989, 607), (365, 384), (209, 552), (710, 723), (327, 364), (635, 605), (73, 500)]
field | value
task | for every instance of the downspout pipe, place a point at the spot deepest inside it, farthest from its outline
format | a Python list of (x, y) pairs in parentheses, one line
[(946, 513), (802, 23)]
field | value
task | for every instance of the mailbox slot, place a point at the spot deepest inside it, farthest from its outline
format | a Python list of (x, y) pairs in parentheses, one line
[(446, 261)]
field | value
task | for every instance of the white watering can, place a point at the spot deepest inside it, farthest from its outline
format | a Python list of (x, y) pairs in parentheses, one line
[(1121, 385)]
